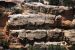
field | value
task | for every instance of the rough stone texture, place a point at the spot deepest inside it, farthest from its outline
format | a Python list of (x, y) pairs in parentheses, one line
[(70, 34), (38, 34), (47, 24), (56, 34), (45, 8), (34, 19), (38, 21)]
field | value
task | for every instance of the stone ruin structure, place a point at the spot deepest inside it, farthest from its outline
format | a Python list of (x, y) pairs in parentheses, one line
[(39, 25)]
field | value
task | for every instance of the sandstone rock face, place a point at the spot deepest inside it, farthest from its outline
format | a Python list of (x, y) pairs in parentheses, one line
[(31, 34), (70, 34), (38, 21), (42, 25), (38, 34), (34, 19), (45, 8)]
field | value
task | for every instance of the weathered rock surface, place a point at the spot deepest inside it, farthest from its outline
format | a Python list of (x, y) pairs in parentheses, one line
[(38, 34), (34, 19), (39, 7), (31, 21), (40, 24), (70, 34), (56, 34)]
